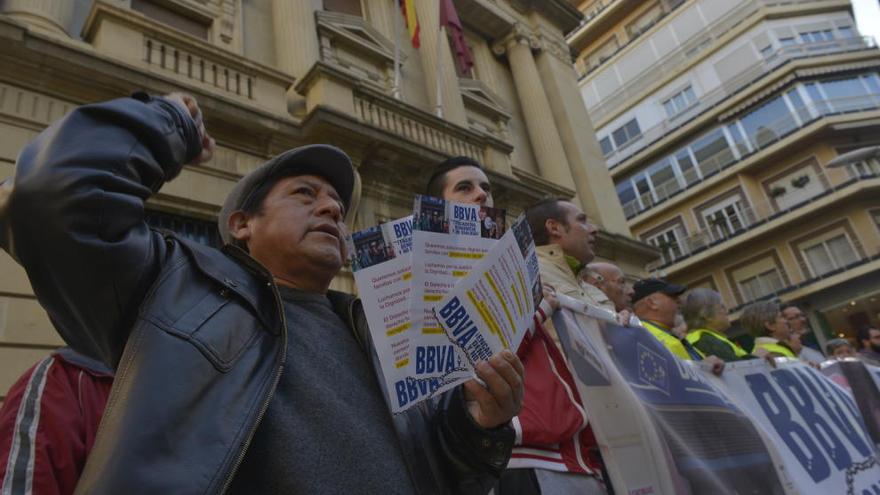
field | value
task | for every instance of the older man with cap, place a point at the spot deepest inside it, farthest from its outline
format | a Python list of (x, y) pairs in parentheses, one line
[(237, 371), (655, 302)]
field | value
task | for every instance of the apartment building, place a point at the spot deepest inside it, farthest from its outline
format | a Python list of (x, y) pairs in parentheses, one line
[(274, 74), (716, 119)]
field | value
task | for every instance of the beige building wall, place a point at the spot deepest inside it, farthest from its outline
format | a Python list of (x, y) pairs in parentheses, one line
[(274, 74)]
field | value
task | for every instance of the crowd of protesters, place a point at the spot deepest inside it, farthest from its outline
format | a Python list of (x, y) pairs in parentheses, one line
[(224, 359)]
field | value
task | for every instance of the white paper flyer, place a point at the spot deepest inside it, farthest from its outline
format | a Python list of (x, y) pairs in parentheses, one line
[(492, 308), (448, 240), (381, 261)]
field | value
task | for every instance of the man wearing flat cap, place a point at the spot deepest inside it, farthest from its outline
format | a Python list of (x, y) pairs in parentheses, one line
[(655, 302), (237, 370)]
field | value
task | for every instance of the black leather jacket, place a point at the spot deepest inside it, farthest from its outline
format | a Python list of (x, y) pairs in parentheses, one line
[(197, 336)]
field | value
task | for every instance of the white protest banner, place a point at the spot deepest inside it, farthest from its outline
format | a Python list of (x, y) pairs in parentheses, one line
[(858, 379), (381, 261), (492, 308), (662, 425), (814, 424), (448, 240)]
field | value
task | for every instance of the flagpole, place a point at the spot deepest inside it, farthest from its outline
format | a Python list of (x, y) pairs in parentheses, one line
[(442, 38), (395, 91)]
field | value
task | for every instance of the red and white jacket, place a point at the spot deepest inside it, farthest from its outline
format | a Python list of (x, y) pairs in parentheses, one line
[(552, 430), (48, 423)]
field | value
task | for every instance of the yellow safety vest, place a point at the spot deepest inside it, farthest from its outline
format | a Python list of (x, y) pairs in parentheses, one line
[(697, 334), (670, 341), (777, 349)]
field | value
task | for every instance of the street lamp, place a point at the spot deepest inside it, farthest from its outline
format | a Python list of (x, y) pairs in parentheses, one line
[(855, 156)]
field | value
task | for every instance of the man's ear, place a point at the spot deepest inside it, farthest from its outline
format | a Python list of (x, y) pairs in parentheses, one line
[(239, 226), (553, 228)]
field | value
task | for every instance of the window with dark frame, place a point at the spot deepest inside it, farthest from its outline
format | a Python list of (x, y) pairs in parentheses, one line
[(350, 7), (171, 17)]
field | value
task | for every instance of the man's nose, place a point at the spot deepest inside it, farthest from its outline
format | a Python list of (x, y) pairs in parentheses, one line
[(481, 195), (329, 206)]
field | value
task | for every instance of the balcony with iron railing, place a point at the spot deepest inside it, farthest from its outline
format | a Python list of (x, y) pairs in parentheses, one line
[(736, 84), (599, 7), (793, 291), (770, 134), (723, 229), (674, 62)]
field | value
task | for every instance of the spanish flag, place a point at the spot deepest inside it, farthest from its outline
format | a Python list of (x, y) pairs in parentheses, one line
[(412, 23)]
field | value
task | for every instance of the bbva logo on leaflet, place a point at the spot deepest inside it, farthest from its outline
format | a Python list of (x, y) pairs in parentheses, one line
[(464, 213)]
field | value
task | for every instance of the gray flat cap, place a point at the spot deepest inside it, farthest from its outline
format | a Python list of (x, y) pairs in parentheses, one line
[(322, 160)]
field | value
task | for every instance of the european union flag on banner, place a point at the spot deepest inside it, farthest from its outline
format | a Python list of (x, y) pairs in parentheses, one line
[(653, 369)]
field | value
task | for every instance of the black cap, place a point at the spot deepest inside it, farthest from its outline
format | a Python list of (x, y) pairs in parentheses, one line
[(645, 287), (322, 160)]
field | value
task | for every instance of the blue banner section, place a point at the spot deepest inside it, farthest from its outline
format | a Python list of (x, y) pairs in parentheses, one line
[(655, 374)]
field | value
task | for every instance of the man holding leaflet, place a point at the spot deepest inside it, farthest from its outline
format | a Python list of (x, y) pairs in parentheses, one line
[(237, 371)]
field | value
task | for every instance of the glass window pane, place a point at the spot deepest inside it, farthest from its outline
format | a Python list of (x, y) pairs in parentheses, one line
[(873, 83), (845, 94), (819, 260), (845, 32), (632, 129), (841, 251), (712, 152), (686, 165), (663, 177), (738, 140), (605, 144), (799, 106), (768, 123), (689, 94), (771, 281)]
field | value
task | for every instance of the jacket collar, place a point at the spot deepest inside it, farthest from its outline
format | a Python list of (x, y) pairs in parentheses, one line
[(237, 272), (553, 253)]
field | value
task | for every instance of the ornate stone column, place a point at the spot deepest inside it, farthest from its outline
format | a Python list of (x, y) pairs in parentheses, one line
[(435, 55), (296, 35), (51, 16), (540, 125), (592, 181)]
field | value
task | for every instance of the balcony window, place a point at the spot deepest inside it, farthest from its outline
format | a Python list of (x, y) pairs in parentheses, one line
[(679, 102), (712, 152), (872, 81), (787, 41), (829, 255), (644, 21), (689, 172), (626, 133), (768, 123), (760, 285), (799, 106), (627, 196), (664, 179), (846, 95), (605, 144), (670, 243), (817, 36), (738, 139), (726, 217), (846, 32)]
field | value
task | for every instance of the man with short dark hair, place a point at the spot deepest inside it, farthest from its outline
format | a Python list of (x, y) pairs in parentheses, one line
[(868, 340), (237, 371), (461, 179), (568, 460)]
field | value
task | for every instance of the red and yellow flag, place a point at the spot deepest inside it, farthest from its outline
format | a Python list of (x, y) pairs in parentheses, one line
[(412, 23)]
